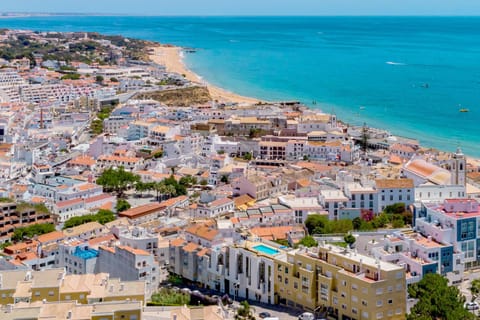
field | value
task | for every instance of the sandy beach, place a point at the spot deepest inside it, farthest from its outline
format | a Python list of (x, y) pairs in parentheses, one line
[(171, 58)]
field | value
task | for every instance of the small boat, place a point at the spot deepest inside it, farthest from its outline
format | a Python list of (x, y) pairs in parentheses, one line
[(362, 108), (463, 110)]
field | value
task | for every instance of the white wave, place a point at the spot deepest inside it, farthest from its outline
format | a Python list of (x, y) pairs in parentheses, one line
[(396, 63), (181, 54), (234, 41)]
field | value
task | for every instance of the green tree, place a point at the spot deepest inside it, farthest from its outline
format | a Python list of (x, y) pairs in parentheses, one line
[(248, 156), (224, 179), (308, 241), (113, 79), (122, 205), (188, 181), (203, 182), (102, 216), (34, 230), (357, 223), (117, 180), (475, 289), (99, 79), (244, 312), (315, 222), (437, 300), (396, 208), (349, 239), (168, 297)]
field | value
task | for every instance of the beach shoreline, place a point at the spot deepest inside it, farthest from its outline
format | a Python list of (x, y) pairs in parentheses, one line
[(171, 58)]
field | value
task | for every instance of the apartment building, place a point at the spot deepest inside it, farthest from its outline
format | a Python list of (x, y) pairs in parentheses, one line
[(54, 285), (346, 284), (13, 216), (128, 310), (391, 191), (454, 222), (129, 264)]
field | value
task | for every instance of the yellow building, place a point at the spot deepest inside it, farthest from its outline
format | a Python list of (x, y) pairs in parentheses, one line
[(127, 310), (349, 285), (54, 285)]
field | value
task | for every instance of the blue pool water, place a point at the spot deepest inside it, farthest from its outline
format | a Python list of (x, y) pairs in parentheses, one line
[(265, 249), (364, 69), (85, 253)]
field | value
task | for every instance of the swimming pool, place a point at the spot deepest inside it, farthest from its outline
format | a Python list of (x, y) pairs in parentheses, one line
[(265, 249)]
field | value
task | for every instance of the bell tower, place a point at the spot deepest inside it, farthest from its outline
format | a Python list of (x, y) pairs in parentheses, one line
[(458, 168)]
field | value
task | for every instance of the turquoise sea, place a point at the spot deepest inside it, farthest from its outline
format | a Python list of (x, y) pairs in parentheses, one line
[(410, 75)]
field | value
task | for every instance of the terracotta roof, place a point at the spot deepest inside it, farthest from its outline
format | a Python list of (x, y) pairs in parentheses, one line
[(243, 199), (177, 242), (173, 201), (86, 186), (99, 197), (82, 161), (134, 251), (394, 183), (203, 231), (140, 211), (421, 167), (203, 252), (51, 236), (101, 239), (68, 203), (220, 202), (190, 247)]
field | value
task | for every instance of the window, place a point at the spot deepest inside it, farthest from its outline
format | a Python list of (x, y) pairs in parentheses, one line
[(379, 315), (82, 296), (379, 291), (390, 288), (390, 301), (37, 293), (51, 293), (354, 299), (68, 297), (379, 303), (286, 280), (295, 285)]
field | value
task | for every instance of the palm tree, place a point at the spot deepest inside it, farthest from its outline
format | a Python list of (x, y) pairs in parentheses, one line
[(475, 289), (160, 188)]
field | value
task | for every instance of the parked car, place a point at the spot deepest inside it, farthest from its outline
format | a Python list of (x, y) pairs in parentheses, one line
[(264, 315), (306, 316), (471, 305)]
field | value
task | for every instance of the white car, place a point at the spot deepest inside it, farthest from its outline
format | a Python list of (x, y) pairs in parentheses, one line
[(471, 305), (306, 316)]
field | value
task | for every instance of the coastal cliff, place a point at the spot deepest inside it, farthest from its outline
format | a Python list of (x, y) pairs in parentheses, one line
[(180, 97)]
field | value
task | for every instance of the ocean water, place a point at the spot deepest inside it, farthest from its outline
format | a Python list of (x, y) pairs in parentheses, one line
[(409, 75)]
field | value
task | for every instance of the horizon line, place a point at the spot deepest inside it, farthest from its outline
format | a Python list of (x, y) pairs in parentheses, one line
[(19, 14)]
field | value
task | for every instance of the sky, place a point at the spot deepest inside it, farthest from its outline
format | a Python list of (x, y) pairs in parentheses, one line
[(247, 7)]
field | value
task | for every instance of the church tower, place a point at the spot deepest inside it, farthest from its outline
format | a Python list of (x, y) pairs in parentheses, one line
[(458, 168)]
